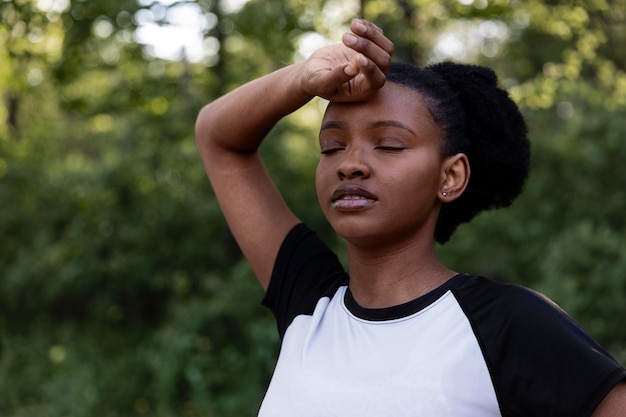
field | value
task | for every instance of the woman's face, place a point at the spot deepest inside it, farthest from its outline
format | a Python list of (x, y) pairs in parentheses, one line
[(380, 171)]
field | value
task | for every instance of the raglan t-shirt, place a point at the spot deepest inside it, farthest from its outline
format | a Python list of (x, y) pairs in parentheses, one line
[(472, 347)]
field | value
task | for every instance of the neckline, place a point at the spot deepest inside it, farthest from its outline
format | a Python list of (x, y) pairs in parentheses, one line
[(399, 311)]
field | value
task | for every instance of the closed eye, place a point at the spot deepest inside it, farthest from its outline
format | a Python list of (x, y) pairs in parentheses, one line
[(331, 151), (390, 143), (390, 148)]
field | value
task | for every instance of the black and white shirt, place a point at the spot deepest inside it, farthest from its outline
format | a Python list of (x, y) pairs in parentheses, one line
[(472, 347)]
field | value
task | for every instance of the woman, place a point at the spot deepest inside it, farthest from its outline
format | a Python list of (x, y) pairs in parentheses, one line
[(406, 155)]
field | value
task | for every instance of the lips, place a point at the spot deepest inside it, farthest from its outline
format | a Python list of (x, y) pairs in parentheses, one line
[(352, 197)]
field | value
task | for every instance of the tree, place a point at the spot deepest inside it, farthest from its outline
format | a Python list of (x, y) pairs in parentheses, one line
[(120, 283)]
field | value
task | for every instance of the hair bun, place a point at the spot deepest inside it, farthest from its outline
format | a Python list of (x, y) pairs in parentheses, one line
[(458, 75), (496, 140), (480, 120), (498, 146)]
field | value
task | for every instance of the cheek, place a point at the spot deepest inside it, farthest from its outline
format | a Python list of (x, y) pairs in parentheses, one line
[(420, 184), (319, 182)]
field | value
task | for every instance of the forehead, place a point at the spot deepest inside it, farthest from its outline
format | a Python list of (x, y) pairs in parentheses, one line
[(391, 102)]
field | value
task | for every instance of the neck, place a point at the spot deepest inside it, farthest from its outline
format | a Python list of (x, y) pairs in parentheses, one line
[(395, 275)]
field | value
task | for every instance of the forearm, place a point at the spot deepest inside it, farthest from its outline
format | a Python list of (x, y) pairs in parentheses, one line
[(230, 130), (238, 121)]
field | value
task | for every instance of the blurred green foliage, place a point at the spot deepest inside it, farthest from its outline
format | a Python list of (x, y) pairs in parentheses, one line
[(122, 292)]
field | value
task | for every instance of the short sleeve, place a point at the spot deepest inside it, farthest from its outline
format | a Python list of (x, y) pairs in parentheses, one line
[(305, 271), (542, 362)]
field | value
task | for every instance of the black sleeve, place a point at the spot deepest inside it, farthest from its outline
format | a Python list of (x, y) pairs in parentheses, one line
[(305, 271), (542, 362)]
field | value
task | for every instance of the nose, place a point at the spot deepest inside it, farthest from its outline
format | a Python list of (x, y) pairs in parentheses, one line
[(353, 165)]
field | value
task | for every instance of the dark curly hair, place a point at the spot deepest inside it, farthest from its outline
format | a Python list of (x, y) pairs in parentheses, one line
[(478, 119)]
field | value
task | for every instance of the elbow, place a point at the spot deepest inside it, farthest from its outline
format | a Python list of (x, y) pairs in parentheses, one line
[(206, 137), (202, 127)]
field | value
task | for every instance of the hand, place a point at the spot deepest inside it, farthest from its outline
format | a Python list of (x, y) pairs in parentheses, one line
[(352, 70)]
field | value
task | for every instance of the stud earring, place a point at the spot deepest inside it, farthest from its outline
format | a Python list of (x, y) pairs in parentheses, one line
[(444, 194)]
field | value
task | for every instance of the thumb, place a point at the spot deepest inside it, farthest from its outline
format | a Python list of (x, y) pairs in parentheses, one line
[(336, 78), (352, 68)]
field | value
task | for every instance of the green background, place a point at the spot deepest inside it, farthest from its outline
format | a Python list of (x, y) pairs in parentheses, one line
[(122, 292)]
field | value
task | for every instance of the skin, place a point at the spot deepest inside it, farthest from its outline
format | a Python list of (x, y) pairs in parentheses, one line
[(228, 142), (390, 239), (614, 404), (383, 158)]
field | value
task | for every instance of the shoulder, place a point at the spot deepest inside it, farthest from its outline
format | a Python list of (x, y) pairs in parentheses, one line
[(305, 271), (532, 322), (513, 297), (529, 341), (303, 253), (481, 296)]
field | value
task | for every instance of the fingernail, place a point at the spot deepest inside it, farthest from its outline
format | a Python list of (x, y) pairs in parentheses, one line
[(349, 39), (358, 25)]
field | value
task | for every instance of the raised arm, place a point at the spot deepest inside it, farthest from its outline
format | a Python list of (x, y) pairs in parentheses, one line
[(230, 130)]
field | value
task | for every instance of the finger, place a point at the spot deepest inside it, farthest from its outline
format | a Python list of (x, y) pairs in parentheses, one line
[(368, 49), (369, 30), (335, 78), (372, 50), (352, 68), (373, 76)]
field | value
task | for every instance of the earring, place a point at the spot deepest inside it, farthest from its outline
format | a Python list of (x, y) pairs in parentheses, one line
[(444, 194)]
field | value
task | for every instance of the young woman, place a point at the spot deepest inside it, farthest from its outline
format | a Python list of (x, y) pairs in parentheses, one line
[(406, 155)]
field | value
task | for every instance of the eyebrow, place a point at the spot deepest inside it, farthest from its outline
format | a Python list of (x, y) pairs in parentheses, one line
[(332, 124), (392, 123)]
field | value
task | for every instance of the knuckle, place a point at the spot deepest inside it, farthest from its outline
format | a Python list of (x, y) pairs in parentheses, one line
[(363, 44), (386, 61)]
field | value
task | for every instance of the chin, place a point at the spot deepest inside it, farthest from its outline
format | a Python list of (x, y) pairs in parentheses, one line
[(359, 232), (377, 234)]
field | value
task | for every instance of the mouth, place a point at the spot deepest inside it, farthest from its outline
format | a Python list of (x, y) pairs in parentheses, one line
[(350, 197)]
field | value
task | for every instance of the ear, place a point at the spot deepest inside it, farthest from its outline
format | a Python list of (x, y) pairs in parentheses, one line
[(455, 175)]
